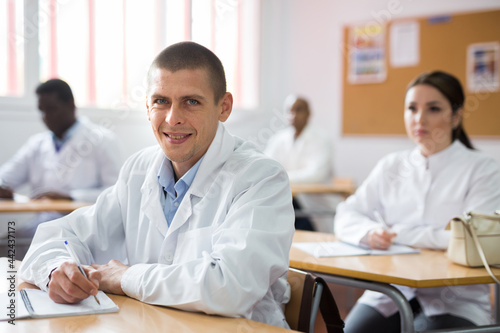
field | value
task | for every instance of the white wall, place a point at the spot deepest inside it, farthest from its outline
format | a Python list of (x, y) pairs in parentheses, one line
[(301, 53)]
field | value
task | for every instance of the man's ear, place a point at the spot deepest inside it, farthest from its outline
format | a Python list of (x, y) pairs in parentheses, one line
[(147, 108), (226, 106)]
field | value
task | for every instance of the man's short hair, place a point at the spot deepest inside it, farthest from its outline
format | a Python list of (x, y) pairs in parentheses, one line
[(58, 86), (190, 55)]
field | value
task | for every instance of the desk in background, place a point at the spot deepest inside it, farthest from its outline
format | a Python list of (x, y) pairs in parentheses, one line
[(426, 269), (33, 206), (134, 316), (341, 186)]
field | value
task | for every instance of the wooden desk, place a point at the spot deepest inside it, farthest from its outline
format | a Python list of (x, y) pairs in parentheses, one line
[(64, 206), (134, 316), (426, 269), (342, 189)]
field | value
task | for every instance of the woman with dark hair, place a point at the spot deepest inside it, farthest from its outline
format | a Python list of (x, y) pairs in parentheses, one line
[(451, 89), (417, 192)]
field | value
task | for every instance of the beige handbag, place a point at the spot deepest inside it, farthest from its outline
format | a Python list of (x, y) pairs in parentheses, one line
[(475, 240)]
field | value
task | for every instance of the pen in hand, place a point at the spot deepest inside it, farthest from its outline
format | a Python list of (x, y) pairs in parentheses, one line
[(75, 259), (380, 220)]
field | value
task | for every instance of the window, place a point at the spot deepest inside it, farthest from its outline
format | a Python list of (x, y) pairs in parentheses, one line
[(103, 48), (12, 58)]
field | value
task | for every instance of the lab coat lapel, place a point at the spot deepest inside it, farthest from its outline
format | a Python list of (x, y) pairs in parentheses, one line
[(72, 154), (182, 215), (48, 173), (215, 157), (150, 201)]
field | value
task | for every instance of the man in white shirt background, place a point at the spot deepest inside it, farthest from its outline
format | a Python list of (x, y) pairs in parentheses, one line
[(74, 160), (306, 154)]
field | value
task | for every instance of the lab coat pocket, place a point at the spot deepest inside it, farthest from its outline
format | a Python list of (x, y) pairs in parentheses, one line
[(192, 243)]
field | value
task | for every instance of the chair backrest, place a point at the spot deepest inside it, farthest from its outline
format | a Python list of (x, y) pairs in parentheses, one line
[(298, 310), (309, 294)]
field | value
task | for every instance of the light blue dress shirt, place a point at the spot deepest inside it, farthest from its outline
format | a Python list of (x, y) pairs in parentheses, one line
[(174, 192)]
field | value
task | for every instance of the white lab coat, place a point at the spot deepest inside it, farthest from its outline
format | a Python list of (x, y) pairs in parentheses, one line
[(417, 197), (307, 159), (225, 252), (87, 163)]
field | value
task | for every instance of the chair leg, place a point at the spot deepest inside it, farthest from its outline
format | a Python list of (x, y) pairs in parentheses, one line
[(318, 290)]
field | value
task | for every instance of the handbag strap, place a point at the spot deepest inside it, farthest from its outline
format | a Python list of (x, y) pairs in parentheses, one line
[(327, 306), (329, 310), (472, 232)]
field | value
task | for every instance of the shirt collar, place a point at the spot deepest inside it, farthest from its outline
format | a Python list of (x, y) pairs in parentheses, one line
[(437, 159), (167, 180), (70, 132)]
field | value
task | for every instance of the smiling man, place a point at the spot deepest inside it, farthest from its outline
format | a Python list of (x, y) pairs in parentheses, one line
[(202, 222)]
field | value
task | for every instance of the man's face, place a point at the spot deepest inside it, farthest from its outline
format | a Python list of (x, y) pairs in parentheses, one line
[(299, 115), (184, 115), (56, 114)]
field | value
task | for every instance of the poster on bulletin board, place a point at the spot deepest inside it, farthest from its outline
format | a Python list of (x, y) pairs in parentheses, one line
[(367, 63), (482, 67)]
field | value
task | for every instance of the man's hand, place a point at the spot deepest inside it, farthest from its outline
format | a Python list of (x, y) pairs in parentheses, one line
[(111, 276), (52, 196), (6, 192), (380, 239), (68, 285)]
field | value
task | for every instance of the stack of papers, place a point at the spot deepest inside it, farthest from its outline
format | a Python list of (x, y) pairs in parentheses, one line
[(341, 249)]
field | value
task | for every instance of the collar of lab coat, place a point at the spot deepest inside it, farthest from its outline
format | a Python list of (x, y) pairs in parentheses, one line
[(437, 161), (217, 154)]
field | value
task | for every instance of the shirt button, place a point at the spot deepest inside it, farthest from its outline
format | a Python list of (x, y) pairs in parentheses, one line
[(176, 204), (168, 257)]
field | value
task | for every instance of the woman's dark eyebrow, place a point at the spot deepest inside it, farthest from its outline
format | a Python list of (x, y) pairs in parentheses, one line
[(433, 102)]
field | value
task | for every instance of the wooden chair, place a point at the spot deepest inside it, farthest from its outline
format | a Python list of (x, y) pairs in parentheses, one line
[(309, 294)]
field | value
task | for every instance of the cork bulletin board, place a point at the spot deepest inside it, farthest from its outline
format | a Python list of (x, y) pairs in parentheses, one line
[(377, 108)]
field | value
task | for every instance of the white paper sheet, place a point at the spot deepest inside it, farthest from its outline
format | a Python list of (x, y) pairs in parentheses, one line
[(43, 306), (404, 44), (341, 249)]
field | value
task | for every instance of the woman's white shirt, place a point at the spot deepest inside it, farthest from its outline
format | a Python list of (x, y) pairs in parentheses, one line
[(417, 196)]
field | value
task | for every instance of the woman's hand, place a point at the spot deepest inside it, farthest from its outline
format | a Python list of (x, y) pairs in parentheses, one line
[(380, 238)]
